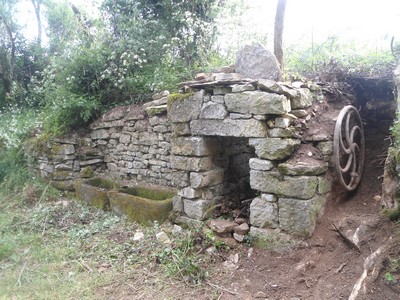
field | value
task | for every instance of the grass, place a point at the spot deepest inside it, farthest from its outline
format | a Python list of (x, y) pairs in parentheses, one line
[(55, 247)]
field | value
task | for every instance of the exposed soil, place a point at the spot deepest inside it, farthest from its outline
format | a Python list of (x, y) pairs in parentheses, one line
[(325, 266)]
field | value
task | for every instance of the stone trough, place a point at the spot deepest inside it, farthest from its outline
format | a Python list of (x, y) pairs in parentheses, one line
[(139, 204)]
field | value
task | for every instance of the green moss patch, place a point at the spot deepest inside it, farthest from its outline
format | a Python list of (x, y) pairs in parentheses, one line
[(139, 209), (148, 193)]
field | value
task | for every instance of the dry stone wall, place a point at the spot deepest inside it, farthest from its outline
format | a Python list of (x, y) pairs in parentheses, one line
[(287, 172), (222, 138), (130, 142)]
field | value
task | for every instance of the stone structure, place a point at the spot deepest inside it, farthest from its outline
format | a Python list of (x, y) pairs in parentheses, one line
[(226, 138), (129, 142), (269, 153)]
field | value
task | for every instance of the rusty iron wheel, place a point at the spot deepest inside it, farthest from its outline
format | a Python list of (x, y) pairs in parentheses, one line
[(349, 147)]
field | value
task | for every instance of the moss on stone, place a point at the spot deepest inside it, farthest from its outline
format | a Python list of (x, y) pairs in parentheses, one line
[(86, 172), (138, 209), (66, 185), (94, 191), (101, 183), (177, 97), (148, 193)]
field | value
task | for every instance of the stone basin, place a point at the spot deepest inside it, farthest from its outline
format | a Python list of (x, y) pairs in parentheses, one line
[(94, 191), (141, 204)]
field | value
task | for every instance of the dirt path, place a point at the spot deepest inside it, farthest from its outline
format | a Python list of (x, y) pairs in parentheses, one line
[(325, 267)]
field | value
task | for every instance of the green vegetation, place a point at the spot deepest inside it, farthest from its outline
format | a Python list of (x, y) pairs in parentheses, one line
[(55, 247)]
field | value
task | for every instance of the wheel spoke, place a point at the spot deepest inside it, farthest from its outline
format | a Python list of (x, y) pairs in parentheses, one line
[(348, 146)]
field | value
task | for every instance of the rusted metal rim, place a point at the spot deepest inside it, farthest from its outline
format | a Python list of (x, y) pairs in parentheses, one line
[(349, 147)]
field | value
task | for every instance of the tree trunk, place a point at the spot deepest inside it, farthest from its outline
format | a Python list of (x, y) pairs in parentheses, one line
[(36, 5), (278, 31)]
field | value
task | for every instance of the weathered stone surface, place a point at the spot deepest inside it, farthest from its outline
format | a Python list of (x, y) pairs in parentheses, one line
[(299, 113), (302, 187), (326, 148), (207, 178), (180, 129), (195, 164), (269, 85), (63, 175), (91, 161), (324, 185), (115, 114), (282, 122), (222, 226), (218, 99), (212, 110), (255, 61), (227, 76), (100, 134), (303, 100), (282, 132), (263, 213), (239, 237), (185, 107), (125, 138), (196, 209), (177, 204), (299, 216), (228, 127), (195, 146), (306, 166), (148, 138), (221, 90), (156, 110), (63, 149), (289, 91), (274, 148), (269, 197), (160, 95), (260, 164), (256, 102), (236, 116), (238, 88), (190, 193), (242, 229)]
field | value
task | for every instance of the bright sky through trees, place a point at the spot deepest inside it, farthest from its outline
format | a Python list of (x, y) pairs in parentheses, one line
[(374, 22)]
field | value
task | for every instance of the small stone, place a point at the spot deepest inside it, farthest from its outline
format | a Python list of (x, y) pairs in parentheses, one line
[(238, 237), (242, 229), (240, 220), (138, 236), (229, 241), (177, 229), (163, 237), (211, 250), (160, 95), (221, 226), (377, 198), (260, 295), (200, 76)]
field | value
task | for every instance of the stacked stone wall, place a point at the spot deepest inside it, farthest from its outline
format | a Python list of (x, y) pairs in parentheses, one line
[(283, 163), (128, 143)]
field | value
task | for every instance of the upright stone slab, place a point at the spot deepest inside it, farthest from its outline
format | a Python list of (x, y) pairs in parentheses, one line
[(185, 107), (299, 216), (255, 61)]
